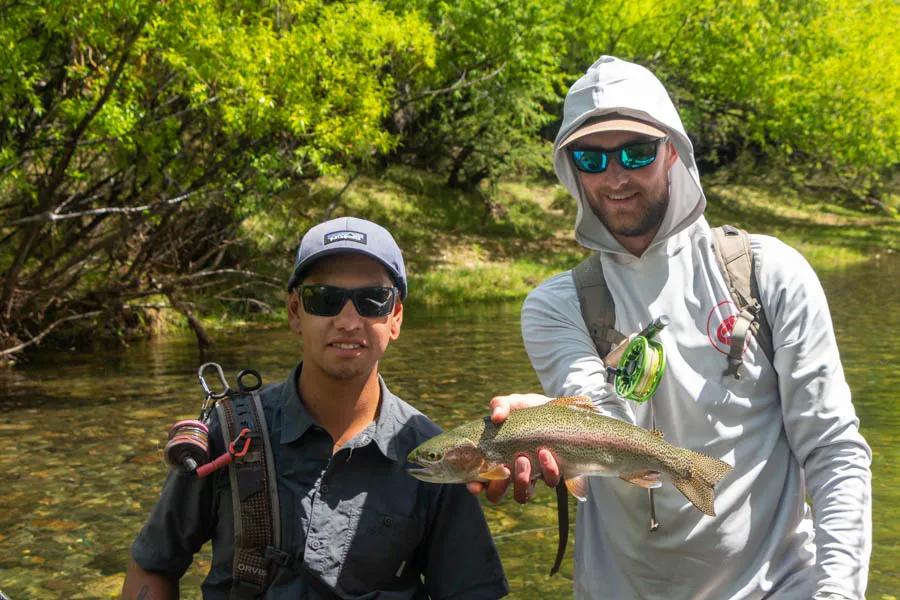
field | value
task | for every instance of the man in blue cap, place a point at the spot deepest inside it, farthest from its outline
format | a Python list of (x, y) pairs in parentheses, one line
[(354, 524)]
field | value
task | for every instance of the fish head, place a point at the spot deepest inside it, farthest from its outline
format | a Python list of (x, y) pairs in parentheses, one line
[(447, 458)]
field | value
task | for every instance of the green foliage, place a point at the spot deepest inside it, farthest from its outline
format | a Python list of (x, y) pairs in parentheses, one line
[(138, 138), (135, 136), (805, 88), (478, 114)]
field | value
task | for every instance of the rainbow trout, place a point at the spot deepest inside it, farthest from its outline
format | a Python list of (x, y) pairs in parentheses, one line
[(583, 442)]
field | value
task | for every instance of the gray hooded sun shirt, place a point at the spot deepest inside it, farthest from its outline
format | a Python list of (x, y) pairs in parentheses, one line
[(789, 429)]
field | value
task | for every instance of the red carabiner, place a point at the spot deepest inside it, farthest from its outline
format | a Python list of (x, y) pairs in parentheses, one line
[(226, 458), (243, 451)]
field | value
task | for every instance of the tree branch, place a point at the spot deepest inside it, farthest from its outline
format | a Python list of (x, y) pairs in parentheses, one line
[(272, 281), (62, 163), (458, 84), (48, 329), (108, 210)]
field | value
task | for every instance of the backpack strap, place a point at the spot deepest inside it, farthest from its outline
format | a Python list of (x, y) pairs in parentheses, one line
[(597, 306), (732, 250), (254, 495)]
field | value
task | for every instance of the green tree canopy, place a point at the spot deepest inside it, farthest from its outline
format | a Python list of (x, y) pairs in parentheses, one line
[(136, 134), (809, 88)]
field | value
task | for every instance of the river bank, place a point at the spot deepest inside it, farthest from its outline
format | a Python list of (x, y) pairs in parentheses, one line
[(486, 246), (493, 247)]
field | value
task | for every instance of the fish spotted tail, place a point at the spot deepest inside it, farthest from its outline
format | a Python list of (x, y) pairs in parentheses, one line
[(705, 473)]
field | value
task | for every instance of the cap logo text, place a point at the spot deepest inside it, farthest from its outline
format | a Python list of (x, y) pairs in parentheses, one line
[(345, 236)]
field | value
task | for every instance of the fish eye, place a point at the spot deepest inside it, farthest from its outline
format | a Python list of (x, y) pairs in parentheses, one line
[(433, 455)]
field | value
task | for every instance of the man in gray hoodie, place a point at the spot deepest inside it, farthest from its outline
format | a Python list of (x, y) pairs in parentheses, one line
[(786, 425)]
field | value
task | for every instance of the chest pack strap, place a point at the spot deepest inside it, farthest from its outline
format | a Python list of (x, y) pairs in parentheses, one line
[(254, 495), (735, 261), (597, 305), (732, 250)]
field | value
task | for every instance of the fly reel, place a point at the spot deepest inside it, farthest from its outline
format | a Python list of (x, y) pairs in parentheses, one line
[(638, 373), (642, 364), (187, 448), (188, 445)]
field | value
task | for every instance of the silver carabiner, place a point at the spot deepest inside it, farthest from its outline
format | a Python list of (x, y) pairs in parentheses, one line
[(206, 388)]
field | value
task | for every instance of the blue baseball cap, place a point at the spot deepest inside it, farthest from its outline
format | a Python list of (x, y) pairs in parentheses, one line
[(349, 235)]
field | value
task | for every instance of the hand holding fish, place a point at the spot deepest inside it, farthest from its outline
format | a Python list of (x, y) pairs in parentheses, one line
[(523, 428), (523, 482), (521, 476), (584, 443)]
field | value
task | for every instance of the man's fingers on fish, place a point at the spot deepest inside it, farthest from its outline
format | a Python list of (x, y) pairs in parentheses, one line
[(524, 493), (549, 468), (496, 490), (522, 483), (499, 406)]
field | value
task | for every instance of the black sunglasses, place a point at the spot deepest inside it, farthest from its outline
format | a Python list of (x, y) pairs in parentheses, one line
[(328, 300), (630, 156)]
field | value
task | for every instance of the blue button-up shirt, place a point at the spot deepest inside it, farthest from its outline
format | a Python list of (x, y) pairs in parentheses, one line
[(356, 524)]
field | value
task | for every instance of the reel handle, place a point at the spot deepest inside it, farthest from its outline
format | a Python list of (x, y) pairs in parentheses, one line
[(655, 326)]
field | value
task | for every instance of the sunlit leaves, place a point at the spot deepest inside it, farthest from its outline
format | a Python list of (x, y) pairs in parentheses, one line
[(805, 87), (112, 109)]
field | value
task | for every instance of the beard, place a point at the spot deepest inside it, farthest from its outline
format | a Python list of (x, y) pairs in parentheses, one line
[(646, 221), (643, 218), (347, 372)]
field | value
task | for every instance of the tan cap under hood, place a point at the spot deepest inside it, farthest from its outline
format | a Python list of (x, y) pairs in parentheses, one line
[(613, 86)]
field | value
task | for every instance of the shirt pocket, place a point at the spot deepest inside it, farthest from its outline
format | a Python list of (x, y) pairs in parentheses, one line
[(379, 550)]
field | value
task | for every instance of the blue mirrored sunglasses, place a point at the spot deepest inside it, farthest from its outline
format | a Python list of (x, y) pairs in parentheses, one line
[(630, 156)]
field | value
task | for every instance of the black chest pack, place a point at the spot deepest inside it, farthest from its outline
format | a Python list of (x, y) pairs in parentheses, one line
[(735, 261), (251, 473)]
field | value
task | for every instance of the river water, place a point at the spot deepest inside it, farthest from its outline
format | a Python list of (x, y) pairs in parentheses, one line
[(82, 435)]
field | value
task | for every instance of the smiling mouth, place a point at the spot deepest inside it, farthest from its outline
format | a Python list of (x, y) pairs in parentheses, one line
[(346, 346), (620, 197)]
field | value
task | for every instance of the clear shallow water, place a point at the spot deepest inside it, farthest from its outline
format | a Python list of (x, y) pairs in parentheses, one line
[(82, 435)]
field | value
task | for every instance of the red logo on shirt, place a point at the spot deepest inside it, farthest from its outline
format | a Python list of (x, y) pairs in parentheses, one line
[(720, 324), (723, 331)]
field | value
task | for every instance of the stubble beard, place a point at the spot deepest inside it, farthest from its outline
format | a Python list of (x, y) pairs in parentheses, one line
[(343, 373), (654, 211)]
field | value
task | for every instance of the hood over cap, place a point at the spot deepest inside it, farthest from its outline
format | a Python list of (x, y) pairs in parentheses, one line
[(616, 87)]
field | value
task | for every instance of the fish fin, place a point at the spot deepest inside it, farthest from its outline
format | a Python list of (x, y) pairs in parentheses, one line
[(645, 479), (706, 472), (576, 403), (577, 486), (698, 492), (710, 470), (495, 472)]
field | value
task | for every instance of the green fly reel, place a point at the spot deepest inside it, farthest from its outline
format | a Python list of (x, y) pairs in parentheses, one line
[(642, 364)]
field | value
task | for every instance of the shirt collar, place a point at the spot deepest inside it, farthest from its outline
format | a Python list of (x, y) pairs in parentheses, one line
[(387, 425), (297, 419)]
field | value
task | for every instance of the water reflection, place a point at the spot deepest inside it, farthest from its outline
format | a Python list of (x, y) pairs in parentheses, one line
[(83, 433)]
